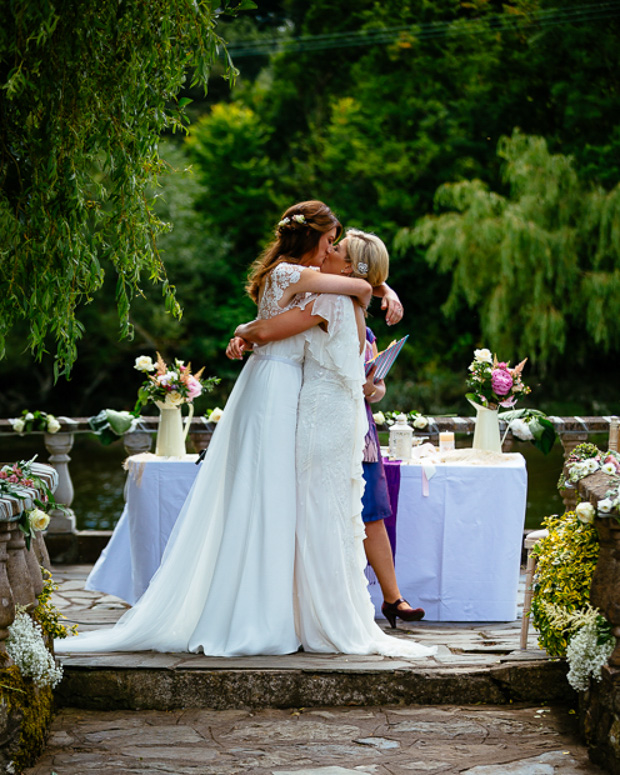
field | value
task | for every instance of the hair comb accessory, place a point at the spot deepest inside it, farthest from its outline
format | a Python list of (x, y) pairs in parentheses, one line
[(362, 268)]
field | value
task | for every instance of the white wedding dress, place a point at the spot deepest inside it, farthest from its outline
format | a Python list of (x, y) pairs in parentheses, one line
[(333, 609), (225, 584)]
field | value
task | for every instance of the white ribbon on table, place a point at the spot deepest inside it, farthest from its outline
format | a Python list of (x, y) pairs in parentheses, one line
[(428, 472)]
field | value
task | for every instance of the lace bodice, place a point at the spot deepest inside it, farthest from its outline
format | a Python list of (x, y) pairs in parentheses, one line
[(278, 280)]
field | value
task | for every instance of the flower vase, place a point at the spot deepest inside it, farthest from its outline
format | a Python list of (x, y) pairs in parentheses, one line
[(486, 434), (171, 434)]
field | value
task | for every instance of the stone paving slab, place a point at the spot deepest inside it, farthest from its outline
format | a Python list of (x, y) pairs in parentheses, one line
[(388, 740)]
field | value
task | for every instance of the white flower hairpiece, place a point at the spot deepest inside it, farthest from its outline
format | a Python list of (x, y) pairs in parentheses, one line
[(298, 218), (362, 268)]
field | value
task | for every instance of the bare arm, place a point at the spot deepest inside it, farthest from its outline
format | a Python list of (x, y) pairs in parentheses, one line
[(279, 327), (311, 281), (390, 302)]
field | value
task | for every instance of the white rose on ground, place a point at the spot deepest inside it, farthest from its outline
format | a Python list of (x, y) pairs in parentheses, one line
[(521, 429), (144, 363), (216, 414), (605, 506), (420, 422), (608, 468), (483, 355), (53, 426), (585, 512), (38, 520), (379, 418), (18, 424)]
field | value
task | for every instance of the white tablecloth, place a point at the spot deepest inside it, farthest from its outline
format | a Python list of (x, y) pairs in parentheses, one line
[(155, 490), (458, 550)]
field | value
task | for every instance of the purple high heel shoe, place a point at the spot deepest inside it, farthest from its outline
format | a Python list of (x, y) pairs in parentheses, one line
[(391, 611)]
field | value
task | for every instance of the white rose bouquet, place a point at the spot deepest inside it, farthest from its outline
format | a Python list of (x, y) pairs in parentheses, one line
[(35, 421)]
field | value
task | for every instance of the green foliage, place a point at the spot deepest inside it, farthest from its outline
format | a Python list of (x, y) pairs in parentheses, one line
[(86, 94), (46, 613), (566, 559), (536, 264)]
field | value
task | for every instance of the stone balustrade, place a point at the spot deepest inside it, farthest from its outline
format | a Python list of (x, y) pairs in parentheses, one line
[(21, 580), (571, 431)]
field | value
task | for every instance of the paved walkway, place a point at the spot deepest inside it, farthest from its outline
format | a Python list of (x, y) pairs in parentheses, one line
[(391, 739)]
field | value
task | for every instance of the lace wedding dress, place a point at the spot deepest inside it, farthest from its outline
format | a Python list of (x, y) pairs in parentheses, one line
[(225, 583), (333, 609)]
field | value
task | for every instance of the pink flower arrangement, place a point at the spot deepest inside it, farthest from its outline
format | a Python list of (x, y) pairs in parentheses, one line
[(173, 385), (494, 383)]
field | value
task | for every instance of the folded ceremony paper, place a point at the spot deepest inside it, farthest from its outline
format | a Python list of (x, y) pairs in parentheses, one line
[(384, 360)]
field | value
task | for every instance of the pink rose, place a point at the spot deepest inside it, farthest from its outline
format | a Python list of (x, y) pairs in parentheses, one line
[(501, 382), (13, 478), (194, 388), (4, 475), (612, 459)]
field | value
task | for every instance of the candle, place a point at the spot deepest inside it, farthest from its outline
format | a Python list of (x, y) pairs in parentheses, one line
[(446, 441)]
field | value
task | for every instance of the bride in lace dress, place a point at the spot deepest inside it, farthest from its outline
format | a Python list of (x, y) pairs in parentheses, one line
[(225, 583), (333, 609)]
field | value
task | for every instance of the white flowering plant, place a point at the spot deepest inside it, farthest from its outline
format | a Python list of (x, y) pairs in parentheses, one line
[(19, 481), (418, 420), (494, 383), (171, 385), (590, 642), (531, 425), (585, 460), (35, 421), (26, 647)]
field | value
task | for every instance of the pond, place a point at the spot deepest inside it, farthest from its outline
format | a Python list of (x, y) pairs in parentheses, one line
[(99, 478)]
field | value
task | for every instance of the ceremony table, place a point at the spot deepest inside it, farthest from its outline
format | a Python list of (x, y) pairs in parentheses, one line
[(457, 533)]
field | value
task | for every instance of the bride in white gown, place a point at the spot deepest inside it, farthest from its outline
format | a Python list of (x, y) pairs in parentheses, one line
[(225, 584), (333, 609)]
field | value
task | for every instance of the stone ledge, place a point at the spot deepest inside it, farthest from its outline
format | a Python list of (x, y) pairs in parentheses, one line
[(96, 687)]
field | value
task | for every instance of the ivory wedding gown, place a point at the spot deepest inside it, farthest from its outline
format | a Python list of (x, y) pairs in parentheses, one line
[(225, 584), (333, 609)]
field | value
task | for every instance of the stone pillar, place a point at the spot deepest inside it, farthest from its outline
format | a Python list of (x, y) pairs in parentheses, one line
[(570, 440), (59, 445), (35, 569), (40, 550), (137, 442), (7, 604), (17, 568)]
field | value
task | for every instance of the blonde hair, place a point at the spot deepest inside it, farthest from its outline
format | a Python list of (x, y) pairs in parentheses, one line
[(368, 251), (297, 234)]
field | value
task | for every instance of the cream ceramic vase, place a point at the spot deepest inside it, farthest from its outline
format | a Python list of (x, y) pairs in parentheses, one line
[(486, 434), (171, 434)]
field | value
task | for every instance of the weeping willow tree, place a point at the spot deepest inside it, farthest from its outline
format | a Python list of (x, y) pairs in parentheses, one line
[(86, 89), (540, 265)]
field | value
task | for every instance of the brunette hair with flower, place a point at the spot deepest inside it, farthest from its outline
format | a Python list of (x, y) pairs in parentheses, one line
[(171, 385), (493, 383)]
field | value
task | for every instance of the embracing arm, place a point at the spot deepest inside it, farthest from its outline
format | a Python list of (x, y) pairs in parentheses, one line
[(279, 327), (311, 281), (390, 302)]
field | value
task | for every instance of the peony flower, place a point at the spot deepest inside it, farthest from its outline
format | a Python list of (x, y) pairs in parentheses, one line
[(605, 506), (38, 520), (18, 425), (420, 422), (608, 468), (53, 426), (521, 429), (144, 363), (194, 388), (379, 418), (483, 356), (216, 414), (501, 381), (585, 512)]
